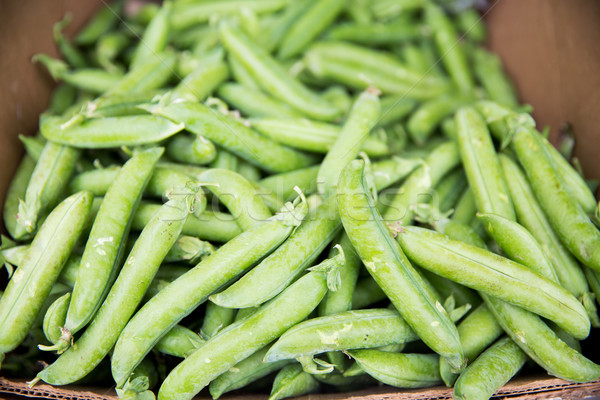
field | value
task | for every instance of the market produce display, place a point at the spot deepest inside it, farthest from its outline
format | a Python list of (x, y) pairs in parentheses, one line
[(292, 197)]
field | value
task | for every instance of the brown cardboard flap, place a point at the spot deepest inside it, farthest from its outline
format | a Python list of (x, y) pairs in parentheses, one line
[(520, 388)]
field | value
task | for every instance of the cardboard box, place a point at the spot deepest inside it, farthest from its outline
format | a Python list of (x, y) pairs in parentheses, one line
[(551, 48)]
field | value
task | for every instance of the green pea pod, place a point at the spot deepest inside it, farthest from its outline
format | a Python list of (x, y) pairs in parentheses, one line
[(495, 275), (192, 289), (123, 298), (253, 102), (417, 187), (490, 371), (462, 295), (313, 136), (201, 82), (470, 22), (210, 225), (430, 114), (100, 133), (54, 320), (17, 190), (234, 136), (283, 184), (359, 67), (476, 331), (100, 23), (359, 123), (69, 52), (33, 145), (450, 189), (292, 381), (488, 69), (68, 275), (273, 32), (179, 342), (394, 109), (150, 75), (448, 45), (226, 349), (465, 209), (376, 34), (409, 292), (314, 19), (346, 330), (567, 217), (189, 250), (154, 39), (481, 164), (105, 246), (108, 47), (63, 97), (245, 372), (285, 264), (49, 178), (216, 318), (48, 253), (272, 76), (386, 9), (191, 149), (398, 369), (238, 195)]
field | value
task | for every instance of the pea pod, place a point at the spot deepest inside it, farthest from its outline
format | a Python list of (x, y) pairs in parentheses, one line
[(283, 184), (272, 77), (100, 23), (43, 262), (16, 190), (495, 275), (154, 39), (292, 381), (243, 373), (152, 74), (49, 178), (253, 102), (234, 136), (189, 250), (109, 132), (398, 369), (193, 288), (346, 330), (225, 349), (408, 291), (488, 70), (68, 52), (216, 318), (105, 246), (490, 371), (191, 149), (54, 320), (198, 85), (179, 342), (123, 298), (376, 34)]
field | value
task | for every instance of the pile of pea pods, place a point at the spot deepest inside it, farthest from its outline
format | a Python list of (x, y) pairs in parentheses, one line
[(292, 196)]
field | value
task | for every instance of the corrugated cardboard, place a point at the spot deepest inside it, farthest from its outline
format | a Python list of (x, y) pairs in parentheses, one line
[(551, 49)]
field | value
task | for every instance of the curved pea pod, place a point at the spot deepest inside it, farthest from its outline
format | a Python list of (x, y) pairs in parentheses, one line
[(398, 369), (360, 67), (285, 264), (49, 178), (238, 195), (497, 276), (202, 81), (490, 371), (124, 296), (190, 290), (532, 217), (216, 318), (152, 74), (313, 21), (385, 261), (567, 217), (488, 70), (430, 114), (191, 149), (308, 135), (16, 190), (447, 42), (186, 14), (273, 78), (179, 342), (283, 184), (234, 136), (541, 343), (481, 164), (228, 348), (106, 243), (54, 319), (89, 79), (417, 187), (255, 103), (101, 133), (476, 331), (518, 244), (292, 381), (245, 372), (210, 225), (68, 52), (354, 329), (40, 268)]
